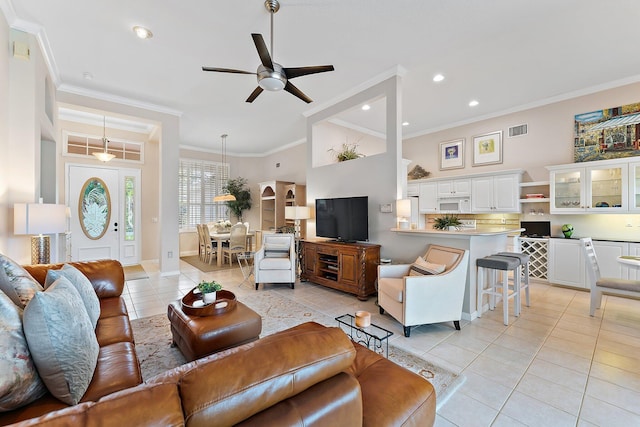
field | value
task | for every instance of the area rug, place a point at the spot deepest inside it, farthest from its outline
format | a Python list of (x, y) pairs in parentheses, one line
[(194, 260), (153, 341), (134, 272)]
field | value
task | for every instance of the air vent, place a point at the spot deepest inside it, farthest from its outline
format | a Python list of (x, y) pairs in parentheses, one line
[(518, 130)]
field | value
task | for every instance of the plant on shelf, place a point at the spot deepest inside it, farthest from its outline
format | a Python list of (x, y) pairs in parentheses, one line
[(447, 221), (347, 152), (209, 290), (238, 187)]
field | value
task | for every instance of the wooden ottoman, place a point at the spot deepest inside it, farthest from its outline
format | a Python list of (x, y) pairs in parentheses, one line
[(199, 336)]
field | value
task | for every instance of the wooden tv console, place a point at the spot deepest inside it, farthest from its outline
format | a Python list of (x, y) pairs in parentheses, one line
[(348, 267)]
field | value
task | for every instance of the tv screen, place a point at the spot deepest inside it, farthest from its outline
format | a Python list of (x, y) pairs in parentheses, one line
[(344, 219)]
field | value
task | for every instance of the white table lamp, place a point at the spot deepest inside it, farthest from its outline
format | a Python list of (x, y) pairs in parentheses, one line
[(403, 212), (39, 219), (297, 213)]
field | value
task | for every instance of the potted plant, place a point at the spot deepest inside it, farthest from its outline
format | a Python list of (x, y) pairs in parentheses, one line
[(209, 290), (447, 222), (347, 152), (240, 190)]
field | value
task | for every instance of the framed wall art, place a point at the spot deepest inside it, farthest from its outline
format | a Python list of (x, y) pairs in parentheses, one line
[(487, 149), (452, 154)]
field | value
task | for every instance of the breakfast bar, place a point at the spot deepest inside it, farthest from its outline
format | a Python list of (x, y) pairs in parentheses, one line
[(480, 242)]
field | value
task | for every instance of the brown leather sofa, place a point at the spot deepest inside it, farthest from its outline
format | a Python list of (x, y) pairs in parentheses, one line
[(306, 375), (118, 367)]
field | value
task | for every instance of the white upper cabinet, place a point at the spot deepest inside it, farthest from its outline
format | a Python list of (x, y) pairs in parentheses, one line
[(428, 201), (496, 193), (634, 186), (454, 188), (601, 187)]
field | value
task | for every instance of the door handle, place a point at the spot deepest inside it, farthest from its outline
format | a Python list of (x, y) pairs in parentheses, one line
[(115, 224)]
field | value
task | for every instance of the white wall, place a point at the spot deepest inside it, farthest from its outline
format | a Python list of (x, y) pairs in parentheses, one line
[(6, 226)]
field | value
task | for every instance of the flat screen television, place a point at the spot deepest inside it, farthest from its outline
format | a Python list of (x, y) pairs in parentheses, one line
[(344, 219)]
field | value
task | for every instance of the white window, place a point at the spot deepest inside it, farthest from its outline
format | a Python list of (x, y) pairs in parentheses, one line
[(198, 183), (77, 144)]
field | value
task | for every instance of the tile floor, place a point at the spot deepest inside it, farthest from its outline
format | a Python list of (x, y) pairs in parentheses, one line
[(553, 366)]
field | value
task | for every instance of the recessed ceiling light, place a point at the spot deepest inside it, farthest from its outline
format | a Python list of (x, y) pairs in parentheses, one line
[(405, 123), (366, 107), (142, 32), (438, 78), (473, 103)]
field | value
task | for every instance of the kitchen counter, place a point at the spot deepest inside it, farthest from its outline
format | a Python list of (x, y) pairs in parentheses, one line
[(480, 242)]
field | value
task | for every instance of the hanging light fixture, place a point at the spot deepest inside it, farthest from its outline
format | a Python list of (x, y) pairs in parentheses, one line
[(226, 196), (104, 155)]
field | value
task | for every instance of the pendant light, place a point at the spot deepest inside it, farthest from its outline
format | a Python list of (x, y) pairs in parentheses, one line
[(104, 155), (226, 196)]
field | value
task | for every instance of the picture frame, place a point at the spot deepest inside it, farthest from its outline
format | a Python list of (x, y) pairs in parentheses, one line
[(452, 154), (487, 148)]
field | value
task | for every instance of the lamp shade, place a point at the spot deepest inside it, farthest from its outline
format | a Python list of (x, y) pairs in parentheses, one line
[(297, 212), (403, 208), (39, 218)]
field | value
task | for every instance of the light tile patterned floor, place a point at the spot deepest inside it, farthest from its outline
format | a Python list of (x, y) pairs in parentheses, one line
[(553, 366)]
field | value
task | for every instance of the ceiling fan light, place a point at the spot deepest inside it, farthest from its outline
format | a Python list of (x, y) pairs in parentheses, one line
[(272, 84)]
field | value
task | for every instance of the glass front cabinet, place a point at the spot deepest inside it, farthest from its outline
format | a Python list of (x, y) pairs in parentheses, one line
[(599, 187), (634, 186)]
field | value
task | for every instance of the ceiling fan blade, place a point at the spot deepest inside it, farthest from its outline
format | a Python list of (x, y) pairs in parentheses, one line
[(254, 94), (226, 70), (263, 52), (297, 92), (294, 72)]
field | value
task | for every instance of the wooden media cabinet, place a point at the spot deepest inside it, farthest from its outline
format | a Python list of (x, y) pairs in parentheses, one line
[(348, 267)]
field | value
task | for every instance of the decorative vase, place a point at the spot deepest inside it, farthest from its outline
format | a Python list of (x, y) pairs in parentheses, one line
[(567, 230), (209, 297)]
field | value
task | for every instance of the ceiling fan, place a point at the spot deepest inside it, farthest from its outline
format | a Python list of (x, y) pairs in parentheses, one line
[(271, 75)]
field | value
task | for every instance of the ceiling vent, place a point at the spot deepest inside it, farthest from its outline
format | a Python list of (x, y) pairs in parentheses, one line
[(518, 130)]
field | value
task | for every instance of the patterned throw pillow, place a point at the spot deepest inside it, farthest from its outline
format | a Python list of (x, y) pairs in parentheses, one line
[(82, 285), (62, 341), (19, 380), (16, 283), (424, 268)]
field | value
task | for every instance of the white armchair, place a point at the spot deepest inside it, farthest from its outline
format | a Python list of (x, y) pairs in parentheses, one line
[(419, 300), (275, 262)]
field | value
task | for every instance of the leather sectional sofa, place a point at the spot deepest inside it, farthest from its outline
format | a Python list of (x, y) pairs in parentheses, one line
[(306, 375)]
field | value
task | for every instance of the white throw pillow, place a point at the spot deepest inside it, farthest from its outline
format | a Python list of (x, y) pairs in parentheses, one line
[(423, 268), (16, 282), (62, 341)]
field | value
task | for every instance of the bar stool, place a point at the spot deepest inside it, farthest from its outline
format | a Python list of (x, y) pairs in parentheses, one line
[(524, 272), (492, 264)]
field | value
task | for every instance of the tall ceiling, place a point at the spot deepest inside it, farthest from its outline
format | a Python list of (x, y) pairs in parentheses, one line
[(506, 54)]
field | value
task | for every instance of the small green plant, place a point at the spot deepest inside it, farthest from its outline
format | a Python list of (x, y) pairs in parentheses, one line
[(444, 222), (208, 287), (347, 152)]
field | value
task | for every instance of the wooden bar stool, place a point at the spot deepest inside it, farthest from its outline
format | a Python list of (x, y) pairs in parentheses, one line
[(492, 264), (524, 272)]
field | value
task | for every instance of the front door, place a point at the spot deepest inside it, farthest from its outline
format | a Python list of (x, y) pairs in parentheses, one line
[(104, 205)]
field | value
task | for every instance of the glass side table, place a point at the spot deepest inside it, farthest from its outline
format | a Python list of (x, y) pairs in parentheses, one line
[(245, 261), (373, 337)]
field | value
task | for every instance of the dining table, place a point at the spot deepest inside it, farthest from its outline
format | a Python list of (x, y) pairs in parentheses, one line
[(630, 260), (220, 238)]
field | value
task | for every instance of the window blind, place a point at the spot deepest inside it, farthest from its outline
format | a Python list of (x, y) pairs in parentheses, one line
[(198, 183)]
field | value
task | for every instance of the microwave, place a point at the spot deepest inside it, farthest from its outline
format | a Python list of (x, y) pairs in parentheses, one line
[(461, 205)]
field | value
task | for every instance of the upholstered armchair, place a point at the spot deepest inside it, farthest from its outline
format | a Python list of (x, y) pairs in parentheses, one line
[(426, 297), (275, 262)]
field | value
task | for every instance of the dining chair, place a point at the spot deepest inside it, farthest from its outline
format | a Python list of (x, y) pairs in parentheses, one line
[(201, 243), (237, 242), (210, 246), (608, 285)]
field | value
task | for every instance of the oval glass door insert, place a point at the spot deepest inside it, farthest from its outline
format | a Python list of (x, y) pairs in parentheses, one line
[(94, 208)]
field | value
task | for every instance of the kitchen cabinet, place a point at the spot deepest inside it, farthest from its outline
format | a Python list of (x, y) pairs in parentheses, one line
[(454, 188), (634, 186), (634, 250), (496, 193), (567, 264), (413, 189), (600, 187), (428, 201)]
